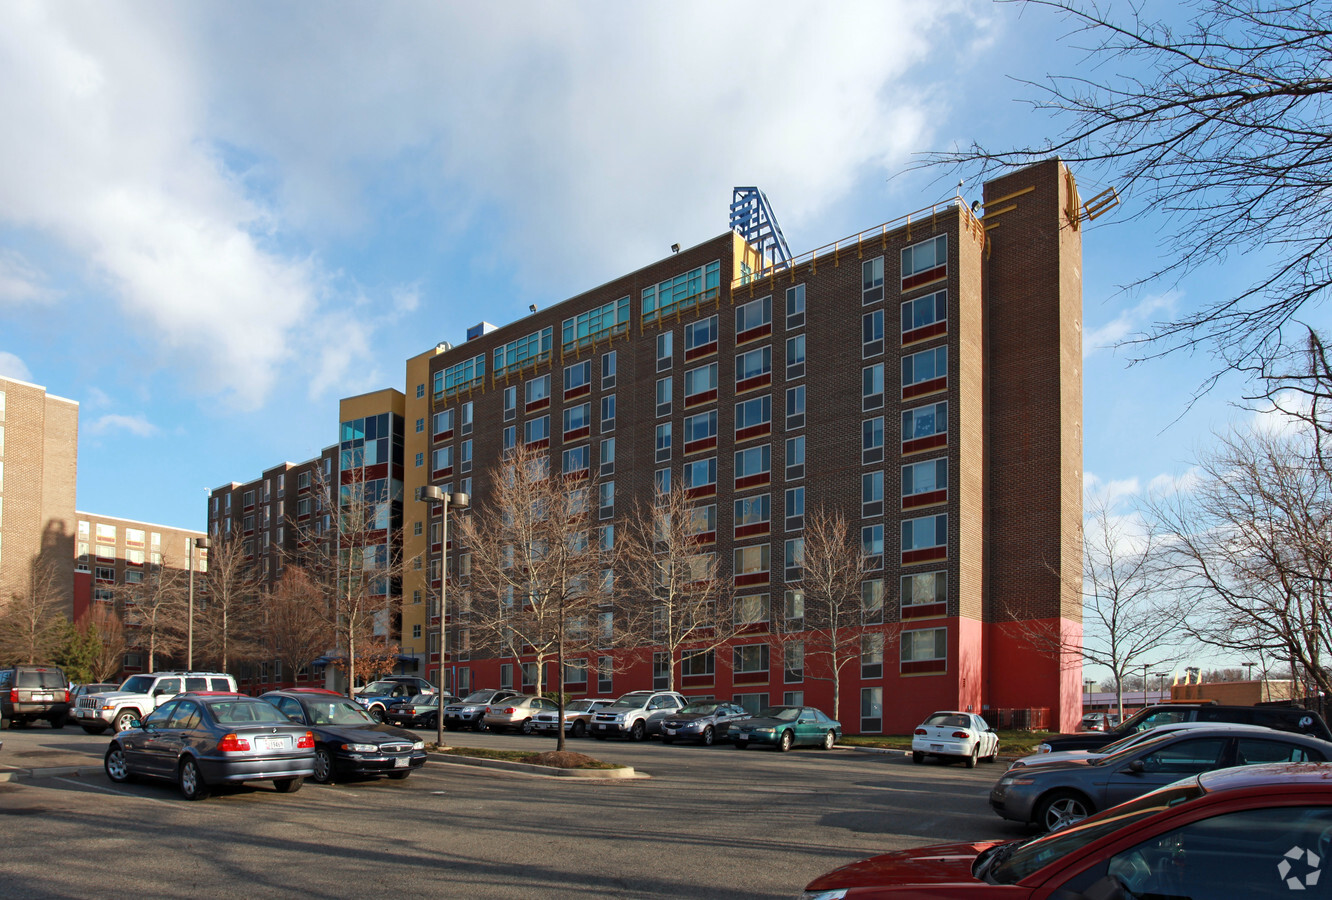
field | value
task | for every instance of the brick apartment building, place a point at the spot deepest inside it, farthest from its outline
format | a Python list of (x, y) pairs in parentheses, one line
[(923, 377)]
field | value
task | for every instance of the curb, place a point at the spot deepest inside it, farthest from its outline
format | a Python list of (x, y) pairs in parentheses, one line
[(541, 771)]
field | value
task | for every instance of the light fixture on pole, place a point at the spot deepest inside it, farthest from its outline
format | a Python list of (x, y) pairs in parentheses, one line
[(1248, 670), (1160, 686), (456, 500), (199, 543)]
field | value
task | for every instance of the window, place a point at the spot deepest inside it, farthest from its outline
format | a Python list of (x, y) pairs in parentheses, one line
[(700, 385), (795, 306), (700, 474), (578, 378), (536, 392), (420, 391), (751, 565), (575, 671), (925, 427), (924, 483), (575, 460), (606, 500), (795, 508), (871, 545), (605, 670), (608, 365), (925, 538), (420, 460), (871, 655), (577, 421), (700, 431), (607, 413), (442, 424), (871, 334), (416, 528), (465, 456), (506, 676), (753, 320), (751, 703), (416, 631), (924, 372), (793, 662), (510, 439), (752, 516), (753, 369), (535, 430), (665, 351), (795, 357), (751, 659), (661, 481), (607, 456), (871, 601), (794, 558), (924, 262), (752, 610), (420, 424), (460, 377), (664, 391), (871, 707), (924, 594), (871, 441), (795, 458), (700, 338), (871, 494), (682, 292), (510, 402), (697, 664), (661, 671), (703, 523), (517, 354), (871, 280), (795, 407), (607, 541), (753, 417), (871, 387), (441, 460), (794, 611), (925, 317), (585, 329), (924, 650), (664, 442), (753, 466)]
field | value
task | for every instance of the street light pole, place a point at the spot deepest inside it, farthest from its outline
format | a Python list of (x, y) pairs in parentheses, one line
[(456, 500), (199, 543), (1160, 686)]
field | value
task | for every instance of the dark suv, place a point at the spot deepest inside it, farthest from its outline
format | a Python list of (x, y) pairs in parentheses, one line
[(1282, 718), (29, 693)]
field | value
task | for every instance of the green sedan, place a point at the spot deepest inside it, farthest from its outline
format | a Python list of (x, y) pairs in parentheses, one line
[(785, 726)]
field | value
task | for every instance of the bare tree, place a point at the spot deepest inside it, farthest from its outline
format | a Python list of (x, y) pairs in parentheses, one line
[(110, 631), (296, 625), (538, 570), (1225, 126), (673, 582), (32, 620), (226, 604), (156, 611)]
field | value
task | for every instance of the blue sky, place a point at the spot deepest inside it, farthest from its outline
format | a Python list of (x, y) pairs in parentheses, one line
[(216, 219)]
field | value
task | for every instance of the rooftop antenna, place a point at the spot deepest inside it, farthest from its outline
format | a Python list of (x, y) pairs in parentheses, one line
[(753, 220)]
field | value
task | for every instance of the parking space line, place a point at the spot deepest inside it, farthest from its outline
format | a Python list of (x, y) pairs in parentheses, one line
[(98, 787)]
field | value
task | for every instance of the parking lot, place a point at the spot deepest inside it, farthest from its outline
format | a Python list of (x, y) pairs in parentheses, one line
[(708, 822)]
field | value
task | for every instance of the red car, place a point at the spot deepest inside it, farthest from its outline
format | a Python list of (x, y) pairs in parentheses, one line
[(1249, 831)]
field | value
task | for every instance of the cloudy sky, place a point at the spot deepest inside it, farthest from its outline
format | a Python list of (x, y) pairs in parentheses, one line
[(218, 218)]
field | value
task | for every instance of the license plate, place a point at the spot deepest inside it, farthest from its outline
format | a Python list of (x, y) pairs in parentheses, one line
[(401, 762), (601, 728), (936, 746), (270, 743), (41, 698), (742, 737), (669, 730)]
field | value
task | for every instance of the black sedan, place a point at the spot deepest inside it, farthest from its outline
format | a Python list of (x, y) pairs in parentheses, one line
[(704, 721), (421, 711), (348, 742), (201, 740)]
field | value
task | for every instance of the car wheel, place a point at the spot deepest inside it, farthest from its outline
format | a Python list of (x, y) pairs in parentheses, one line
[(829, 740), (975, 755), (57, 721), (526, 727), (638, 732), (398, 776), (123, 720), (741, 745), (323, 766), (377, 713), (478, 725), (92, 729), (1060, 809), (579, 730), (994, 754), (709, 736), (116, 767), (288, 785), (192, 786), (917, 757), (784, 742)]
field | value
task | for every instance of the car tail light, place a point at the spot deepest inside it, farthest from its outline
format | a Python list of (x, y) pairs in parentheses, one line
[(307, 742), (66, 696), (233, 743), (961, 734), (921, 731), (13, 695), (510, 710)]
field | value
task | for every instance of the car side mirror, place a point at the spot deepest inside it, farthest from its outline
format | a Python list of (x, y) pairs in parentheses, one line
[(135, 723), (1137, 767)]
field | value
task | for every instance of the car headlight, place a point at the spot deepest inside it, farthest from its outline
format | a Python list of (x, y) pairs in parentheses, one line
[(825, 895), (764, 730), (1043, 748), (419, 745), (1005, 780), (361, 748)]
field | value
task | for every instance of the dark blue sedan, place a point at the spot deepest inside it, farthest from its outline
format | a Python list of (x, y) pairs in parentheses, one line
[(348, 742)]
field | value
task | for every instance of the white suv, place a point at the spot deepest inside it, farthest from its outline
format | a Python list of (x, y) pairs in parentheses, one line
[(140, 695), (635, 715)]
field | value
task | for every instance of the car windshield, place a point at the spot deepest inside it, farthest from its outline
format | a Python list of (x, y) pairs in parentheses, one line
[(378, 687), (246, 712), (423, 700), (1039, 852), (1131, 741), (948, 720), (138, 684), (632, 701), (1150, 718), (338, 711), (702, 709), (479, 696), (783, 713)]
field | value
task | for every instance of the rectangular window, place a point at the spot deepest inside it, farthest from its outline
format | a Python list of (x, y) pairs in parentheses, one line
[(871, 601), (751, 703), (586, 329), (795, 407), (753, 369), (606, 500), (871, 655), (465, 456), (607, 456), (751, 659), (515, 355), (925, 317), (608, 366), (575, 460), (793, 662), (925, 427), (537, 430), (753, 320), (795, 508), (663, 442), (871, 281), (441, 461), (795, 306), (578, 379), (665, 351), (607, 413), (697, 664), (871, 334), (752, 610), (682, 292), (420, 424), (536, 392), (461, 376), (420, 460), (751, 565), (577, 421), (924, 539), (700, 338), (871, 709), (506, 676), (700, 476), (702, 524), (700, 431), (794, 559), (924, 595), (510, 438), (605, 674), (795, 458), (510, 402), (924, 262), (871, 494), (753, 467), (871, 441), (753, 418), (661, 480), (420, 391), (700, 385), (752, 516), (871, 545), (925, 651), (924, 372), (661, 671), (871, 387), (795, 357), (794, 611), (664, 392), (925, 483)]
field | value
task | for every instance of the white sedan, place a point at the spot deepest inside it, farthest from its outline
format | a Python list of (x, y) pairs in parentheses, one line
[(955, 734)]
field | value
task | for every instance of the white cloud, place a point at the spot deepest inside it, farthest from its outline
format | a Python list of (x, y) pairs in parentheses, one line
[(20, 282), (135, 425), (1133, 320), (12, 367)]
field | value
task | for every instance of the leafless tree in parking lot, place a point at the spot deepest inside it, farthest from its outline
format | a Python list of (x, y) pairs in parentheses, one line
[(32, 621)]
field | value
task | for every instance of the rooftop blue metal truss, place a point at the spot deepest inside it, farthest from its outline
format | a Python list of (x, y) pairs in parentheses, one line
[(752, 219)]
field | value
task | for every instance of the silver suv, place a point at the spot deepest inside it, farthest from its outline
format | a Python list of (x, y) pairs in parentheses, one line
[(635, 715)]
